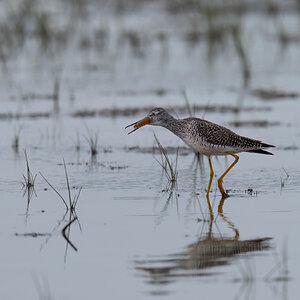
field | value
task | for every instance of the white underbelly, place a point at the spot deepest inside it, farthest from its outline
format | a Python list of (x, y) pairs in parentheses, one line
[(209, 149)]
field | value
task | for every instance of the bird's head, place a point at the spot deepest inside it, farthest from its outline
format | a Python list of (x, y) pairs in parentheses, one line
[(157, 117)]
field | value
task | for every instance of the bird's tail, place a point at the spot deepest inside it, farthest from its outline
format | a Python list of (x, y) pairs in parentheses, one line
[(261, 151), (263, 145)]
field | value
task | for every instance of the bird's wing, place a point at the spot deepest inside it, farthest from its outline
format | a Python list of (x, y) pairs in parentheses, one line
[(215, 134)]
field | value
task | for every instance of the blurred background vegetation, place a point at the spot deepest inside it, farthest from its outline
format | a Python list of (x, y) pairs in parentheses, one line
[(147, 42)]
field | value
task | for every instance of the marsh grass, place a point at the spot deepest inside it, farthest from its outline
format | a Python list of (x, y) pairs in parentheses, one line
[(29, 178), (16, 140), (136, 40), (92, 139), (70, 203), (284, 180), (189, 109), (241, 52), (169, 167), (56, 86), (27, 25), (76, 142), (214, 34), (28, 185)]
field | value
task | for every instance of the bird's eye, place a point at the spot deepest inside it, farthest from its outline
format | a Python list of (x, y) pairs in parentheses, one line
[(155, 112)]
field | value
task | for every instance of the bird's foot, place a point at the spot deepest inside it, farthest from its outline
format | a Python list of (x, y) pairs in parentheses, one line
[(221, 189), (224, 195)]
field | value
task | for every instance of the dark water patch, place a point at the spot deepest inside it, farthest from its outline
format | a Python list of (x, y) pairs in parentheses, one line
[(33, 234), (242, 193), (132, 111), (73, 164), (251, 192), (254, 123), (85, 113), (272, 94), (155, 150), (158, 293), (135, 93), (34, 96), (33, 115), (288, 148), (111, 167), (286, 38), (233, 8), (106, 165), (193, 37)]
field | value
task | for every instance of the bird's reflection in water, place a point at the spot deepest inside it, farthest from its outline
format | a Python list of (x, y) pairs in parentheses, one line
[(208, 251)]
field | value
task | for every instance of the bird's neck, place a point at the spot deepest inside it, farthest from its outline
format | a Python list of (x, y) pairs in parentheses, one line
[(174, 126)]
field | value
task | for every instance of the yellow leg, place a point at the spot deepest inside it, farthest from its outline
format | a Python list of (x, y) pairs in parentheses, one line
[(220, 180), (220, 207), (210, 176)]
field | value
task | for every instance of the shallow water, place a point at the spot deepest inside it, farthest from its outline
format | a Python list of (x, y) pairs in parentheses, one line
[(134, 237)]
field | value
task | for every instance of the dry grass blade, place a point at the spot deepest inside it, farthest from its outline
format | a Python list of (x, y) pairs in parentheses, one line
[(68, 185), (76, 197), (55, 190), (170, 168), (72, 204)]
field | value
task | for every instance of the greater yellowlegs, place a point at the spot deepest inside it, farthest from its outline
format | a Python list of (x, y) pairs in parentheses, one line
[(204, 137)]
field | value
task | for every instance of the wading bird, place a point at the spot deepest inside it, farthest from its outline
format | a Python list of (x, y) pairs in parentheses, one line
[(204, 137)]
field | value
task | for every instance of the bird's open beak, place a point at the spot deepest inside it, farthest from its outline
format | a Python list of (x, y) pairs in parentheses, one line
[(138, 124)]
